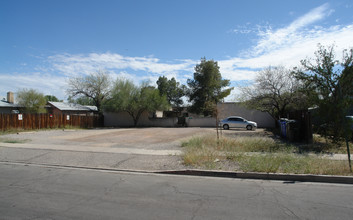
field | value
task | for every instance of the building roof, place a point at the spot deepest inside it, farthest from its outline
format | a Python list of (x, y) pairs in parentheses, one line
[(91, 107), (5, 104), (65, 106)]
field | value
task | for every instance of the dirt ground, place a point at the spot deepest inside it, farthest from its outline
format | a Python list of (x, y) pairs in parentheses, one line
[(125, 149), (146, 138), (140, 138)]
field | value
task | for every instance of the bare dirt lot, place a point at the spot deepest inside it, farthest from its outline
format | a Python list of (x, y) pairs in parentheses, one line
[(143, 138), (135, 148), (146, 138)]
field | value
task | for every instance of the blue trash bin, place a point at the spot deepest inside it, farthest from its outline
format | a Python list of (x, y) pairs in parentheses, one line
[(283, 125)]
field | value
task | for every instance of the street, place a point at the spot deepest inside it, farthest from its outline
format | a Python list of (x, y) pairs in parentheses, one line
[(42, 192)]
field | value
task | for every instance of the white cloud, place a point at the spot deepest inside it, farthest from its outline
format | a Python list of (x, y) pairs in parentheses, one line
[(232, 70), (44, 83), (271, 40), (77, 64), (287, 46)]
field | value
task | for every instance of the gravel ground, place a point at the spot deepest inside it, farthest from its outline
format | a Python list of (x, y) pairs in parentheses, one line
[(144, 138), (127, 149)]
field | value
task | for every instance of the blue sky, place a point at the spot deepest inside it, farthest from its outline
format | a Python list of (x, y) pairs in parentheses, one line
[(43, 43)]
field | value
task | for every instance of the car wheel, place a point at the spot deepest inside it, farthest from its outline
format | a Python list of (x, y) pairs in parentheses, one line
[(249, 127), (226, 127)]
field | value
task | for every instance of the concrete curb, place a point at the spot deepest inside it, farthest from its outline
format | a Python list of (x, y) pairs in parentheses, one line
[(211, 173), (265, 176)]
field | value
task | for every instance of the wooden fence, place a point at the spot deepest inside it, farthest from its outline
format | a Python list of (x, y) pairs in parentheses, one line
[(47, 121)]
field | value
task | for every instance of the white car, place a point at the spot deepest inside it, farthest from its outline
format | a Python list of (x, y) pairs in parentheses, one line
[(237, 122)]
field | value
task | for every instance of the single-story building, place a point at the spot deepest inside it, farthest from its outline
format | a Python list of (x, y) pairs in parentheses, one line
[(8, 106), (70, 108)]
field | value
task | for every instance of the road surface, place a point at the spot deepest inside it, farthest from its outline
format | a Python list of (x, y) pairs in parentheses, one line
[(42, 192)]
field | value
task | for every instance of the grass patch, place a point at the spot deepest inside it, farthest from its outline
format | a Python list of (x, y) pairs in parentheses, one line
[(258, 154), (238, 144), (13, 141), (15, 131), (323, 145), (290, 163)]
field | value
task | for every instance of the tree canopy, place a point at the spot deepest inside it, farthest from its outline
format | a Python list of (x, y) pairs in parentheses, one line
[(96, 86), (329, 83), (82, 100), (134, 100), (51, 98), (172, 90), (207, 88), (276, 91), (32, 100)]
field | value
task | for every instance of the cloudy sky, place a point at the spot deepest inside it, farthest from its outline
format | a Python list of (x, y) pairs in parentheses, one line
[(43, 43)]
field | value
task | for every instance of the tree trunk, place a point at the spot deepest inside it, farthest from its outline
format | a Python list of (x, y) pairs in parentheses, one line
[(136, 117), (135, 121)]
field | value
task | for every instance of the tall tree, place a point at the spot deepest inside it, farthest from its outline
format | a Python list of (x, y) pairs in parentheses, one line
[(207, 87), (134, 100), (51, 98), (276, 91), (95, 86), (32, 100), (332, 83), (172, 90), (82, 100)]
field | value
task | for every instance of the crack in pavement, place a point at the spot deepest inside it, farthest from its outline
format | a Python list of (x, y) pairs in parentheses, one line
[(286, 210), (38, 156), (123, 161)]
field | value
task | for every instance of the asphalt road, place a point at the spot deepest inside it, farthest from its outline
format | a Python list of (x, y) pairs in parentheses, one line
[(39, 192)]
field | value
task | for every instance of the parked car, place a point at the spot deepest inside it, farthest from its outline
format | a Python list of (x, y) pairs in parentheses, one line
[(237, 122)]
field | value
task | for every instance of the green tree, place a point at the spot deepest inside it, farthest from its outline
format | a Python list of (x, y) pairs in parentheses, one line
[(95, 87), (32, 101), (275, 90), (51, 98), (135, 100), (172, 90), (206, 89), (329, 83), (82, 100)]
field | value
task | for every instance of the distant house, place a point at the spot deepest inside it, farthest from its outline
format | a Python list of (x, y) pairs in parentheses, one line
[(70, 109), (7, 105)]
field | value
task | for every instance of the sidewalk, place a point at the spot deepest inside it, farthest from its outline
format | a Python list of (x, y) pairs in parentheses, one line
[(115, 158), (136, 160)]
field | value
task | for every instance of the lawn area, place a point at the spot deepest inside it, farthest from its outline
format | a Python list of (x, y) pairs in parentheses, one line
[(263, 154)]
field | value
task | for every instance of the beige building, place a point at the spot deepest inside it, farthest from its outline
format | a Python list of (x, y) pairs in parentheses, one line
[(123, 119), (263, 119)]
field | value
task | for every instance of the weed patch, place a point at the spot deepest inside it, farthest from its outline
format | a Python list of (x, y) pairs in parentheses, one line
[(13, 141), (258, 154)]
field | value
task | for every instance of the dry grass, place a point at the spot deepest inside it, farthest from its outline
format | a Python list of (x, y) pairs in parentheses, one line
[(290, 163), (322, 145), (272, 156), (14, 131), (13, 141)]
